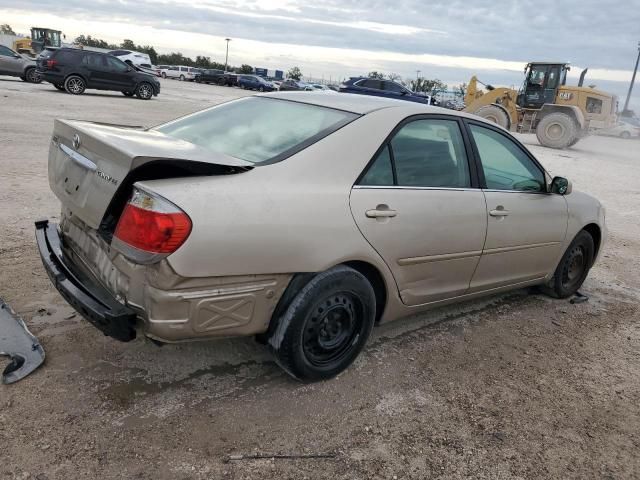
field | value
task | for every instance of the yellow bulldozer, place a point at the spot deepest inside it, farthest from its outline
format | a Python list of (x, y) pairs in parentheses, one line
[(559, 114), (39, 40)]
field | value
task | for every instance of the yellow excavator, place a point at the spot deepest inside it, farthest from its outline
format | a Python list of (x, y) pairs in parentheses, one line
[(557, 113), (39, 40)]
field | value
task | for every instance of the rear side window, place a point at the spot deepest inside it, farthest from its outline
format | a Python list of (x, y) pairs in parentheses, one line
[(94, 61), (258, 129), (423, 153)]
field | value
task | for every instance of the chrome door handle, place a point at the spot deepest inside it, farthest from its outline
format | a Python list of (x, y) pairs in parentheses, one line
[(499, 212), (385, 213)]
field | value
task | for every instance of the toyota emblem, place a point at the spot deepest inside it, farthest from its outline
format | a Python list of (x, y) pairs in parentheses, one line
[(76, 141)]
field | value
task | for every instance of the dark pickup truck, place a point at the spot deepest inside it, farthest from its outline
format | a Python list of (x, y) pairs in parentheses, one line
[(216, 76)]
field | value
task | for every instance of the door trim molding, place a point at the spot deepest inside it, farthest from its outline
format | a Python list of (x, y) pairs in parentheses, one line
[(403, 262), (514, 248)]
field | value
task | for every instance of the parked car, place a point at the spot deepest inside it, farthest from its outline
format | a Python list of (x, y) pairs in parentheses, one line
[(622, 129), (17, 65), (180, 72), (383, 88), (132, 58), (211, 76), (295, 85), (333, 213), (254, 82), (320, 87), (75, 70)]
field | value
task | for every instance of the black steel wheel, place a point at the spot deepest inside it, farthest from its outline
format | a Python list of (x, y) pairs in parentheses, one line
[(573, 267), (325, 326), (144, 91)]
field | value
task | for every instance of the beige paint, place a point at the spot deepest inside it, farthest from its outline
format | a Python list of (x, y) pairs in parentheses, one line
[(253, 230)]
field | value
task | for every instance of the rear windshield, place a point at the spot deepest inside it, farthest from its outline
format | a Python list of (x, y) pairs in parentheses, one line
[(258, 129)]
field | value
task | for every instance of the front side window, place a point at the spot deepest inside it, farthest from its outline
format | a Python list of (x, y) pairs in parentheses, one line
[(505, 165), (116, 65), (424, 153), (393, 87), (258, 129), (6, 52)]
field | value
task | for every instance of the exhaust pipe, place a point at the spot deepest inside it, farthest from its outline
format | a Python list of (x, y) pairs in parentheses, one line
[(581, 81)]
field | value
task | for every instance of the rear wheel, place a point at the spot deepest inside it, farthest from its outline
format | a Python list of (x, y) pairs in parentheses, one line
[(144, 91), (557, 130), (221, 82), (181, 78), (573, 267), (494, 114), (164, 75), (625, 135), (32, 76), (74, 85), (325, 326)]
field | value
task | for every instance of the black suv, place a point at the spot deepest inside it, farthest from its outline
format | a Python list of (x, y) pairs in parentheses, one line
[(211, 76), (75, 70)]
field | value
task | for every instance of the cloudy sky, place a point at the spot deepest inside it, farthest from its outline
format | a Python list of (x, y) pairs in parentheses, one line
[(446, 39)]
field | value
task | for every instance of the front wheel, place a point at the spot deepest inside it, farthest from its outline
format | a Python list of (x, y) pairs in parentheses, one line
[(573, 267), (261, 89), (32, 76), (74, 85), (181, 78), (325, 326), (556, 130), (144, 91), (625, 135), (164, 75)]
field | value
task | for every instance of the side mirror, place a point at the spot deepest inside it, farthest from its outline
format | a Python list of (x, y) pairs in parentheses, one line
[(561, 186), (15, 55)]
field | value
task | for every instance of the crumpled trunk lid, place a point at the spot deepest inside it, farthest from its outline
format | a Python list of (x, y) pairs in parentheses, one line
[(89, 163)]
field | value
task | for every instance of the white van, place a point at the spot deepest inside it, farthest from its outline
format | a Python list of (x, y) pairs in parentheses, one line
[(179, 71)]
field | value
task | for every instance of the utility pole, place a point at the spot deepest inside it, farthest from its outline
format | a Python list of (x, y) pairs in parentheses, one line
[(633, 79), (418, 74), (226, 58)]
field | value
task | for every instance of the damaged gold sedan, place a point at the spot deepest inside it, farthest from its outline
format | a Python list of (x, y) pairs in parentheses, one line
[(303, 219)]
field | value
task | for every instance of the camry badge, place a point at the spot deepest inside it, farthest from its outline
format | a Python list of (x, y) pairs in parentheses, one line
[(76, 141)]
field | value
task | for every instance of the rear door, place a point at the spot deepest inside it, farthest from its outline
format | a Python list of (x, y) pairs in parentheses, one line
[(96, 70), (526, 225), (418, 204)]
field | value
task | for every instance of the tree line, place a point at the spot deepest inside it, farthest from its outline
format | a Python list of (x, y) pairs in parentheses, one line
[(173, 58)]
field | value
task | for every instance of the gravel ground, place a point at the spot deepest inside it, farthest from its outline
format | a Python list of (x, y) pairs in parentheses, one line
[(512, 386)]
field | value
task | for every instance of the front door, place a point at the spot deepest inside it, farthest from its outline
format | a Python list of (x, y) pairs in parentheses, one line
[(10, 62), (526, 225), (418, 206), (119, 74)]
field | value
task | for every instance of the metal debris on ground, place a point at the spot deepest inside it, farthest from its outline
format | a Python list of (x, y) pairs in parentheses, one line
[(19, 344), (579, 298), (261, 456)]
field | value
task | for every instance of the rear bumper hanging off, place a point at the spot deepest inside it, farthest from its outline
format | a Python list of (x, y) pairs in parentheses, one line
[(90, 299)]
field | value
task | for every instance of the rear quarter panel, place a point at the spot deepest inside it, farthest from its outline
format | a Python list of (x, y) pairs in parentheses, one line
[(292, 216)]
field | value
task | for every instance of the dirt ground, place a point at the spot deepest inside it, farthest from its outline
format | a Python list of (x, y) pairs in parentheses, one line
[(513, 386)]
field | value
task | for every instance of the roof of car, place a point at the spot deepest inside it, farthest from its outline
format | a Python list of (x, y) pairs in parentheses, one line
[(350, 102)]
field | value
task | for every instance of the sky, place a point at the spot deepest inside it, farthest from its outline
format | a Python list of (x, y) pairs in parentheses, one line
[(446, 39)]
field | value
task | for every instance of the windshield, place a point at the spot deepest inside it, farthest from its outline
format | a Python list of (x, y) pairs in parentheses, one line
[(258, 129)]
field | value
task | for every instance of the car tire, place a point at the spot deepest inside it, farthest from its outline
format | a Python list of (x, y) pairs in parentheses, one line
[(181, 78), (573, 267), (144, 91), (32, 76), (494, 114), (261, 89), (325, 326), (556, 130), (59, 87), (221, 82), (164, 75), (625, 135), (128, 94), (75, 85)]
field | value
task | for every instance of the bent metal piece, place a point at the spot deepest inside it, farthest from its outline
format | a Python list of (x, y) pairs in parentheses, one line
[(19, 344)]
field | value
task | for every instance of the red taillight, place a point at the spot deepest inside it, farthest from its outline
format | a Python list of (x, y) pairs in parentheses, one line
[(51, 64), (152, 225)]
